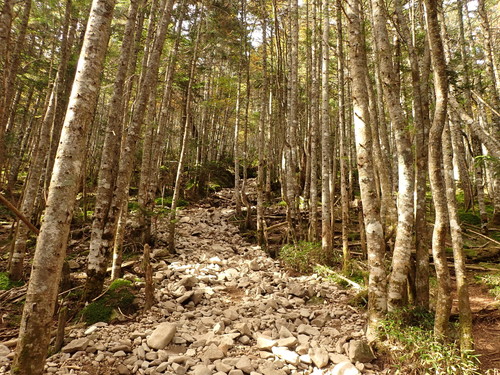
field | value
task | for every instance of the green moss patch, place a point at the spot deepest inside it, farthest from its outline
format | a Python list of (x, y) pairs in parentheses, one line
[(119, 296), (6, 283)]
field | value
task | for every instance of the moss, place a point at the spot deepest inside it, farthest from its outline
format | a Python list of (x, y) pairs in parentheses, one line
[(118, 296), (6, 283), (469, 218)]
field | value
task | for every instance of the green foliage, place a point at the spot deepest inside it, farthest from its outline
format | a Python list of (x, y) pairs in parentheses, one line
[(167, 201), (492, 280), (6, 283), (118, 296), (133, 206), (407, 338), (303, 256)]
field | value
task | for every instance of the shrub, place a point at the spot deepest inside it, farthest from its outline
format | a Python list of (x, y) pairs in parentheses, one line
[(6, 283)]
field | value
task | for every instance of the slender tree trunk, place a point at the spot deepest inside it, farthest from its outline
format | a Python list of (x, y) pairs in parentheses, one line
[(34, 335), (344, 193), (261, 138), (186, 122), (443, 300), (377, 297), (464, 310), (98, 258), (313, 221), (326, 148), (32, 183), (404, 235)]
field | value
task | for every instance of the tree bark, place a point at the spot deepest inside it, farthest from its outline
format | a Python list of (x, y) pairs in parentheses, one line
[(443, 300), (34, 335), (377, 297)]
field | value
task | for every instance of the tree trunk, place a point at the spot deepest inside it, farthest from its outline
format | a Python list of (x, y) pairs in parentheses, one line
[(377, 297), (404, 235), (36, 169), (326, 141), (98, 258), (443, 300), (464, 310), (34, 335)]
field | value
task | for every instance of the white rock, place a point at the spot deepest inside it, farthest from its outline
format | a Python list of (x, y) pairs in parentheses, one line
[(286, 355), (345, 368), (162, 335), (265, 343)]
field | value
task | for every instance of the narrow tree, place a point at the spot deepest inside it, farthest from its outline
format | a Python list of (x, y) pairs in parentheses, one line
[(35, 331)]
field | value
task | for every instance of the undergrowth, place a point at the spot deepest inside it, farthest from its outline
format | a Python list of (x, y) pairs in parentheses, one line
[(407, 339), (303, 256), (119, 296), (492, 280)]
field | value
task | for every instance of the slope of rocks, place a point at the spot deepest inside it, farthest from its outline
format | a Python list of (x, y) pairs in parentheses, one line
[(224, 307)]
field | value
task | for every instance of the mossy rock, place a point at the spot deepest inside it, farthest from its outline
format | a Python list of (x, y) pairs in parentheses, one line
[(120, 295)]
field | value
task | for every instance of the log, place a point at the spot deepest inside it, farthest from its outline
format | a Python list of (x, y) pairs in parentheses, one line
[(23, 218)]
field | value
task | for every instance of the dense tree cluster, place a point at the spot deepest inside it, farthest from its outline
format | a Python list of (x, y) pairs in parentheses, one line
[(330, 103)]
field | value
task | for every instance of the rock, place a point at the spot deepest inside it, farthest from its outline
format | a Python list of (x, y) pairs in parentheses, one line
[(345, 368), (122, 369), (288, 342), (319, 356), (162, 367), (297, 289), (162, 335), (308, 330), (284, 333), (76, 346), (73, 264), (231, 314), (286, 355), (245, 365), (264, 343), (360, 351), (337, 358), (201, 370), (235, 372), (212, 352), (222, 367), (178, 369)]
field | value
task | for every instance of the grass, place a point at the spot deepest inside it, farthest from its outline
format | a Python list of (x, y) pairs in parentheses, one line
[(407, 339)]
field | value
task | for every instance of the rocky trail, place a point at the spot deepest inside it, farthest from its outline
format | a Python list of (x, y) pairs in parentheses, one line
[(223, 307)]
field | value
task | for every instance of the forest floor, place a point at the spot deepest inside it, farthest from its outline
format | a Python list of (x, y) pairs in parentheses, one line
[(235, 311)]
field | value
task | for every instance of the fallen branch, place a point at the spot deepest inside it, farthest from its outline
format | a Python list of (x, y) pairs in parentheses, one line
[(18, 213), (350, 282), (276, 226), (482, 235)]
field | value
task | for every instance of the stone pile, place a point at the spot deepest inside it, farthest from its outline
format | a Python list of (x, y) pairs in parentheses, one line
[(224, 307)]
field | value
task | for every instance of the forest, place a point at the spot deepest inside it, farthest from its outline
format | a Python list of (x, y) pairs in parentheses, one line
[(249, 187)]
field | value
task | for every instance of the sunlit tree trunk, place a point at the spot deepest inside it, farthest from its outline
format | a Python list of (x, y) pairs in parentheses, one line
[(443, 299), (32, 183), (377, 297), (36, 323)]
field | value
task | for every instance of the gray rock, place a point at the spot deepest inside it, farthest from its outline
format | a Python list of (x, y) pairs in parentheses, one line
[(297, 289), (360, 351), (345, 368), (162, 335), (76, 346), (319, 356)]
